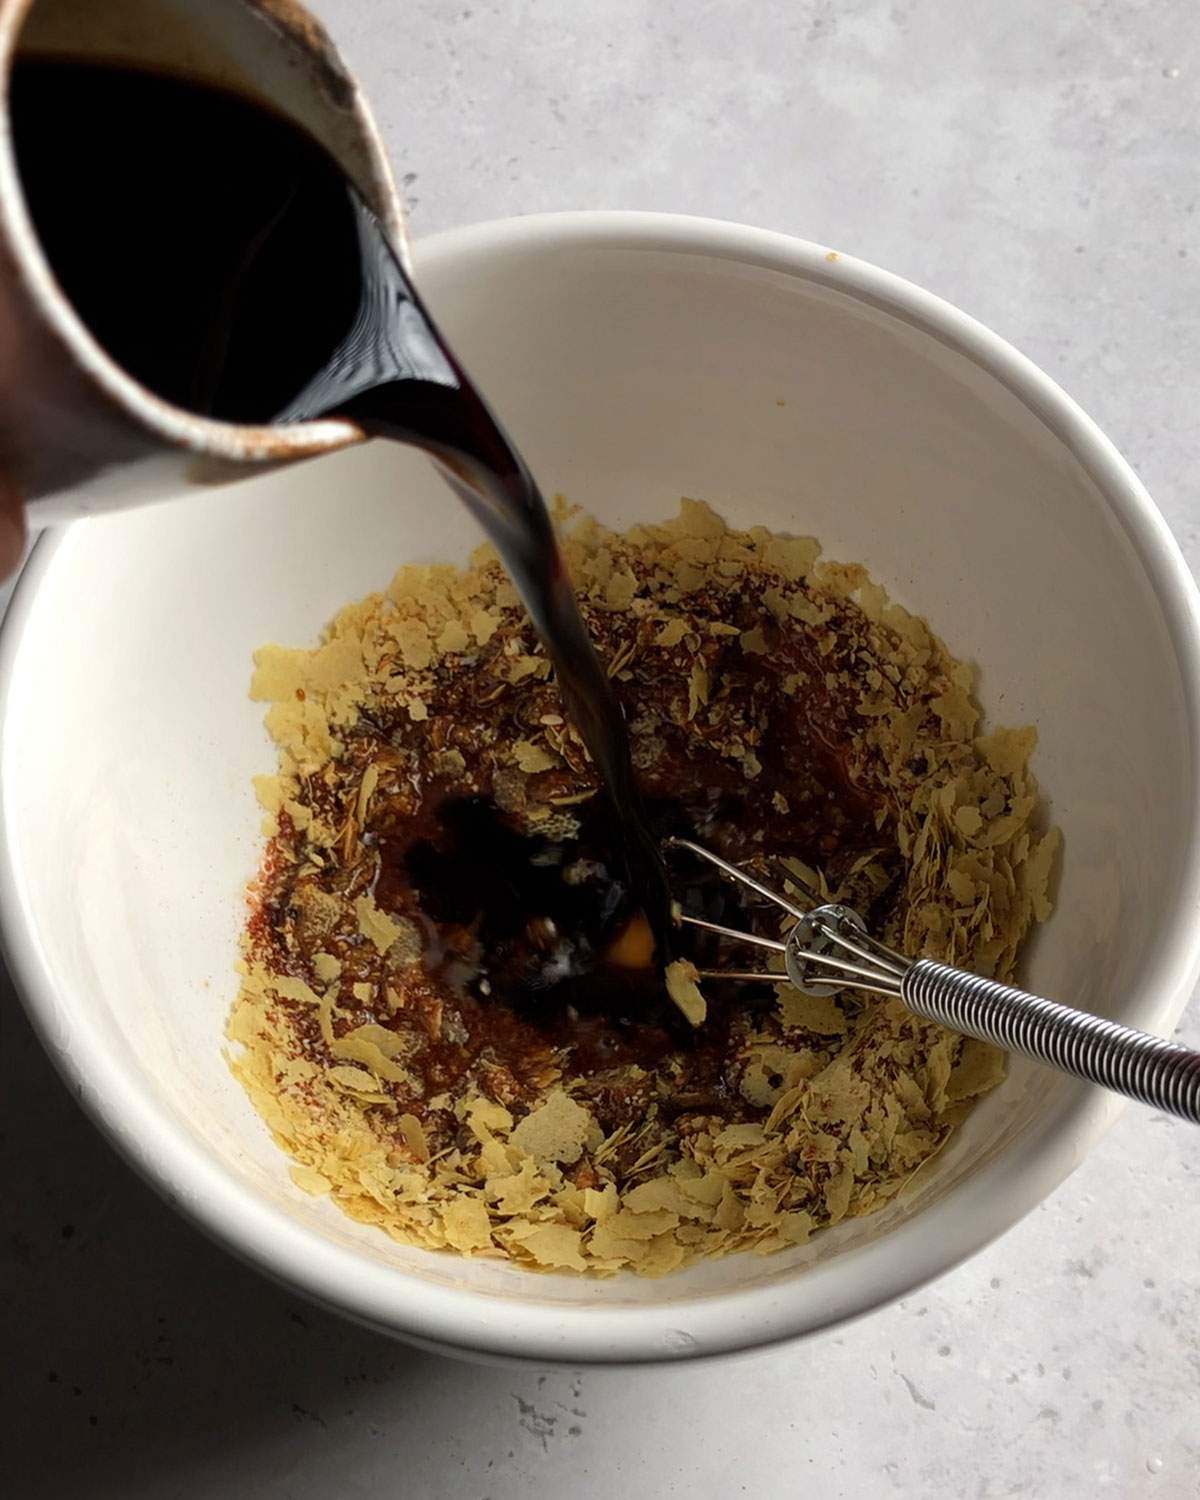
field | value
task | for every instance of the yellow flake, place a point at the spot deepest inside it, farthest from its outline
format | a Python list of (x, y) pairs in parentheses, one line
[(375, 1047), (414, 1136), (366, 790), (818, 1013), (796, 1227), (689, 578), (1007, 751), (697, 518), (552, 1245), (697, 688), (736, 1138), (555, 1131), (838, 1191), (1037, 871), (357, 1080), (301, 816), (483, 624), (620, 590), (466, 1224), (448, 763), (532, 758), (279, 673), (309, 1180), (600, 1204), (730, 1214), (957, 713), (968, 821), (338, 662), (454, 637), (662, 1255), (415, 646), (518, 668), (641, 1226), (271, 792), (374, 924), (765, 1075), (604, 1242), (486, 1115), (707, 1190), (302, 729), (517, 1192), (791, 556), (659, 1194), (289, 988), (672, 632), (978, 1069), (681, 976)]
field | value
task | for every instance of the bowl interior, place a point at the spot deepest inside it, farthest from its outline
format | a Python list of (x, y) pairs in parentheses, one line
[(633, 368)]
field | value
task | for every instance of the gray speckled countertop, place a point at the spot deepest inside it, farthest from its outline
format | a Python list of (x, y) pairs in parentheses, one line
[(1038, 165)]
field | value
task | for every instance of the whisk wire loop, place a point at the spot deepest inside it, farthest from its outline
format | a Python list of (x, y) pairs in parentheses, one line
[(828, 949)]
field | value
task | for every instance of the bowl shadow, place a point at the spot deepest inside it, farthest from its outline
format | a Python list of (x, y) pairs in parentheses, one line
[(133, 1346)]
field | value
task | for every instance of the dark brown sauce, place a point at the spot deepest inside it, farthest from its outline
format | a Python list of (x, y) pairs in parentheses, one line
[(221, 257), (540, 936), (518, 986)]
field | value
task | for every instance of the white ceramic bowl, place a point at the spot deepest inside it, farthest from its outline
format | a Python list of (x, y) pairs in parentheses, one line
[(636, 358)]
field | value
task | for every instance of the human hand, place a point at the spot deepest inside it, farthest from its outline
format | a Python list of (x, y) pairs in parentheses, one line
[(12, 527)]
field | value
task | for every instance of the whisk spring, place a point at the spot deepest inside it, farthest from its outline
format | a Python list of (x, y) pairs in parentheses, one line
[(829, 949)]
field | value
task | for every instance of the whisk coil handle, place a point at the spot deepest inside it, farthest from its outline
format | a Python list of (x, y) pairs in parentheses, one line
[(1129, 1062)]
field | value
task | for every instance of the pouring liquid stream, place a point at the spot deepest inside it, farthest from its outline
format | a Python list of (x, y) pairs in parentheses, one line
[(223, 259), (395, 375)]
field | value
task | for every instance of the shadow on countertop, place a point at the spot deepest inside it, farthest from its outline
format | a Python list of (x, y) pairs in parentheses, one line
[(133, 1349)]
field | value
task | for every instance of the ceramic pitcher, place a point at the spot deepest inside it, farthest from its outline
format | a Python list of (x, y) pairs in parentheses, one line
[(77, 431)]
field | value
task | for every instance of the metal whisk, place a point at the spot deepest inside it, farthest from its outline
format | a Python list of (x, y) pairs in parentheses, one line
[(829, 949)]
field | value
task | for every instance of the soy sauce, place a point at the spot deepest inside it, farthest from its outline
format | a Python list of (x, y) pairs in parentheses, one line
[(222, 258)]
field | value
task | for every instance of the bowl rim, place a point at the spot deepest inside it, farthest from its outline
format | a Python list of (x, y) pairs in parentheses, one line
[(975, 1211)]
